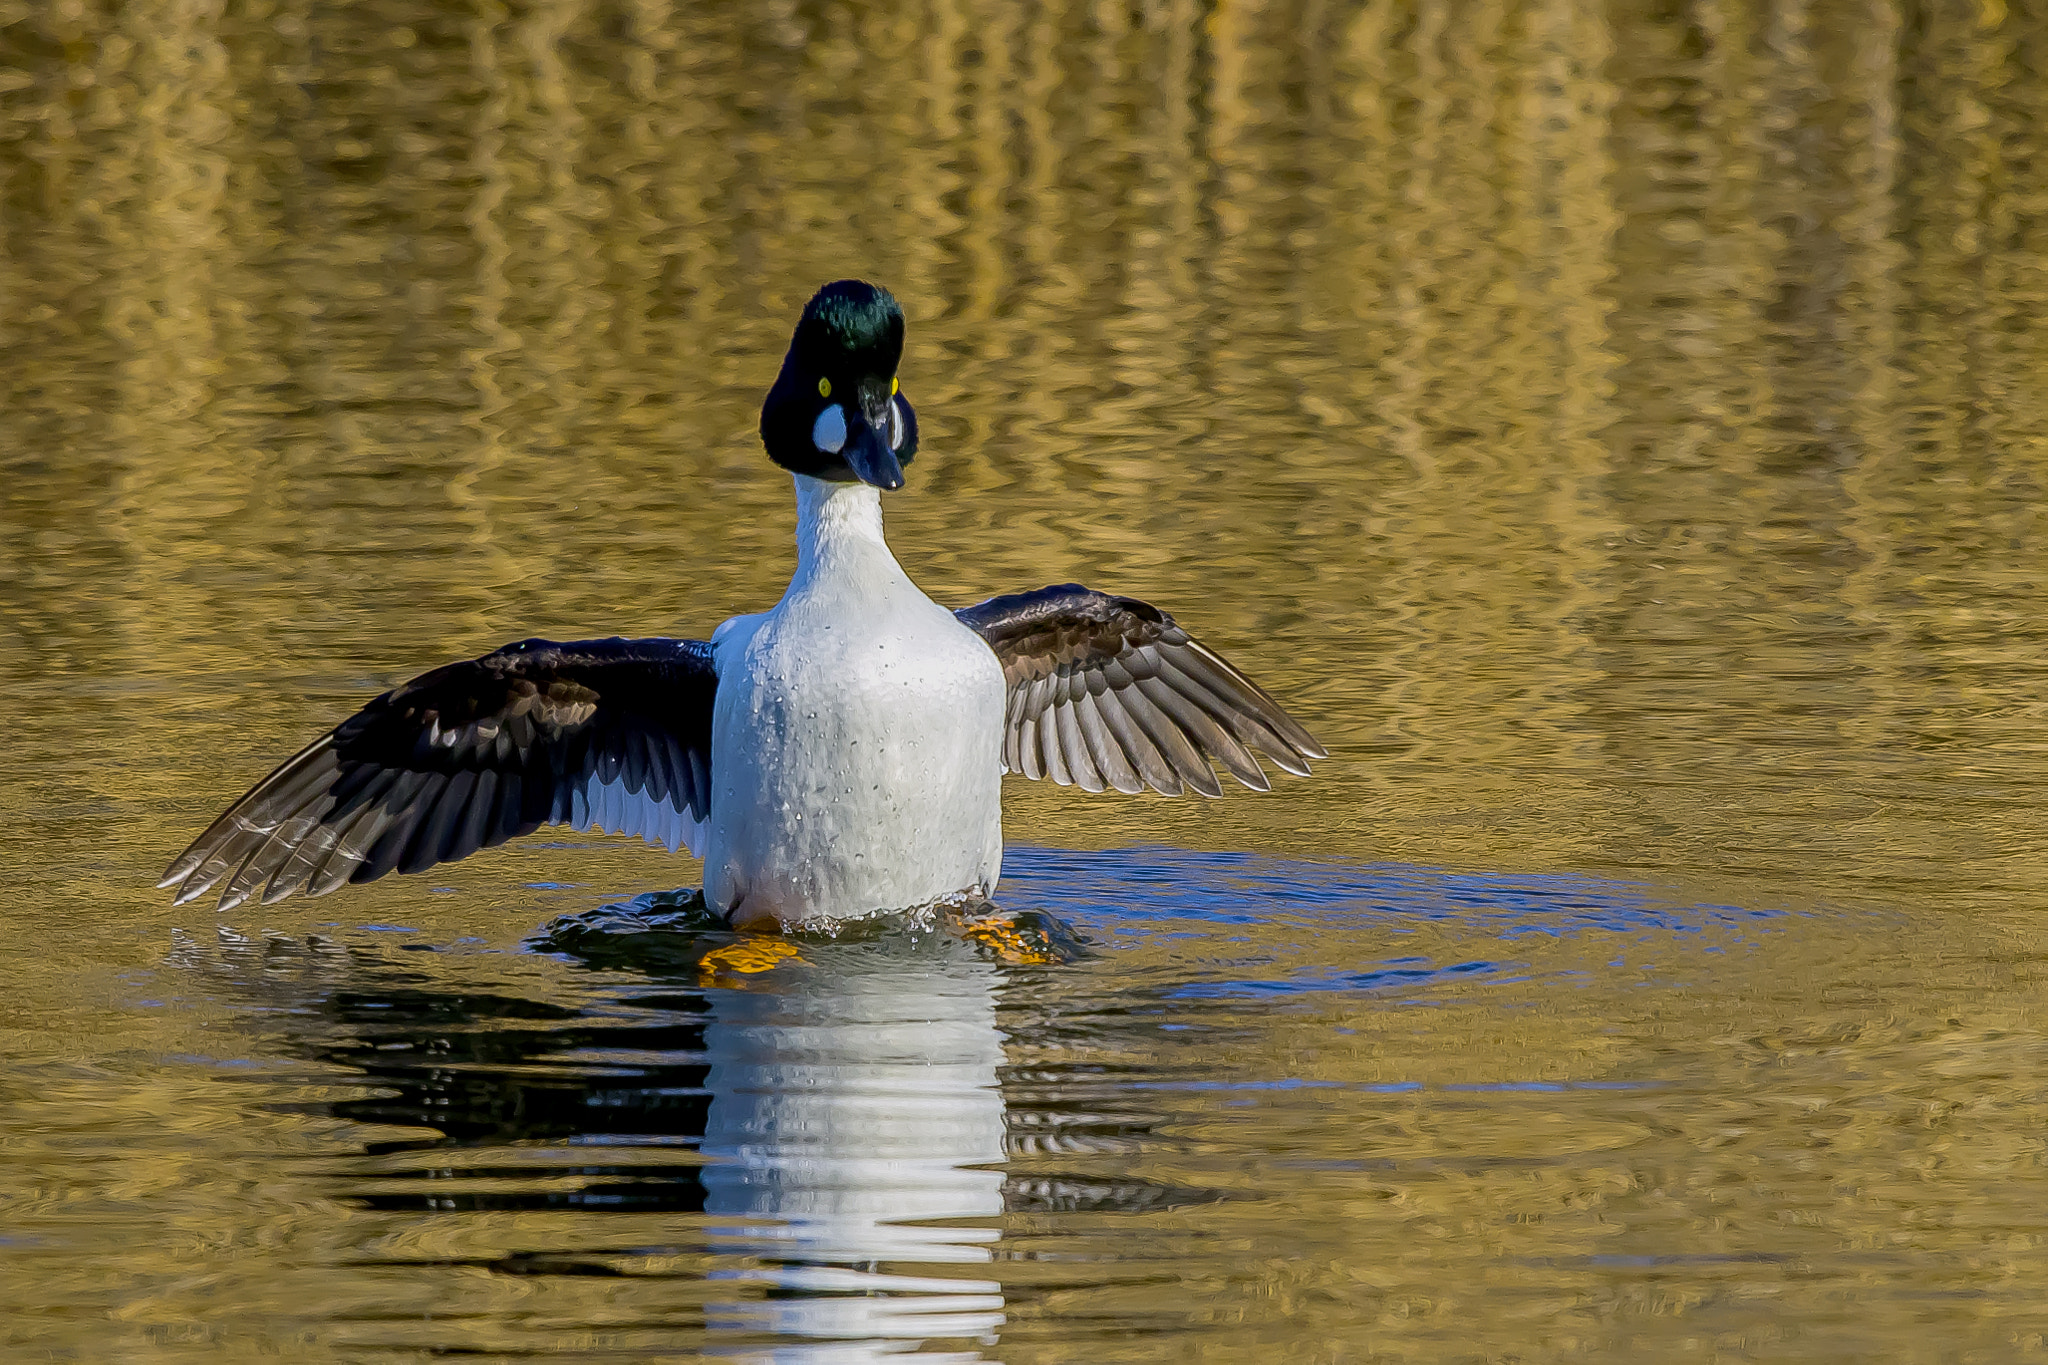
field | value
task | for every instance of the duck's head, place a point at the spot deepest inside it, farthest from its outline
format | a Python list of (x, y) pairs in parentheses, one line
[(835, 411)]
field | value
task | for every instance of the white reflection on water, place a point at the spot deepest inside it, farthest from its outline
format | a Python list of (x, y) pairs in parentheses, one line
[(855, 1123)]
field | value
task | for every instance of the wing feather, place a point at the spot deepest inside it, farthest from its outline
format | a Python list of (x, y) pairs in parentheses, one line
[(1188, 763), (436, 835), (468, 756), (1153, 769), (1052, 747), (1108, 691), (316, 861), (1073, 748), (1110, 758), (1030, 763), (338, 852), (1242, 727)]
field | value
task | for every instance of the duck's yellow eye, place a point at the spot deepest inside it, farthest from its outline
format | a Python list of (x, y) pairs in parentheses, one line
[(824, 387), (893, 385)]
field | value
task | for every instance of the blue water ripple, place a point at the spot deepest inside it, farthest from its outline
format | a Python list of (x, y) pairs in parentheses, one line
[(1149, 884)]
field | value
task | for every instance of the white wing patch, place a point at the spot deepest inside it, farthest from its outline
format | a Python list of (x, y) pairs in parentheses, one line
[(608, 807)]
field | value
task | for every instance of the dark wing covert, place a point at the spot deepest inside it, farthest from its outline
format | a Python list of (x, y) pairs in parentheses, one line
[(1109, 691), (612, 734)]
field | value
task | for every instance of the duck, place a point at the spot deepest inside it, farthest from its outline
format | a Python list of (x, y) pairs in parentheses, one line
[(838, 756)]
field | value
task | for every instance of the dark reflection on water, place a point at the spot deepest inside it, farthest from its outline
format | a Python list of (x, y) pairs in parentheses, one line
[(484, 1070), (833, 1126)]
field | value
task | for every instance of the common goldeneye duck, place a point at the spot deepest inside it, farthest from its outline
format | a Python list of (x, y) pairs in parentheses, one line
[(836, 756)]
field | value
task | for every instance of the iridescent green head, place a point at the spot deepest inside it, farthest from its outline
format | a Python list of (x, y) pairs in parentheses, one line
[(835, 411)]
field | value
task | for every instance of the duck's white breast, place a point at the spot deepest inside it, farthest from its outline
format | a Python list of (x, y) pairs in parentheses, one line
[(856, 752)]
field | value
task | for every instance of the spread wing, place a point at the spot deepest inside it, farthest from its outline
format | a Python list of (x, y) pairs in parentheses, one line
[(1108, 691), (603, 734)]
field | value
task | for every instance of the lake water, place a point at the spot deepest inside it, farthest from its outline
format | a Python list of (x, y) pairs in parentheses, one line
[(1620, 435)]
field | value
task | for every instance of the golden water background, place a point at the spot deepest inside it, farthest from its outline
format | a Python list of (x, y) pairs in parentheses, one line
[(1620, 432)]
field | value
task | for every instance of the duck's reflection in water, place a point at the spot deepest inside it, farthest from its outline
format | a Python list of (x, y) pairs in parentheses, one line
[(843, 1104), (855, 1125)]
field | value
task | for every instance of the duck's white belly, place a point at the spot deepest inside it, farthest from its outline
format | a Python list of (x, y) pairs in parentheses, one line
[(856, 758)]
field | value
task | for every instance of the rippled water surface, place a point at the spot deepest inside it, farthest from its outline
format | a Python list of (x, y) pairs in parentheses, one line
[(1618, 432)]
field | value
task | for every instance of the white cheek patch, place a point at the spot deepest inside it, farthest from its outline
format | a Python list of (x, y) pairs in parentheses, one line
[(895, 424), (828, 433)]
